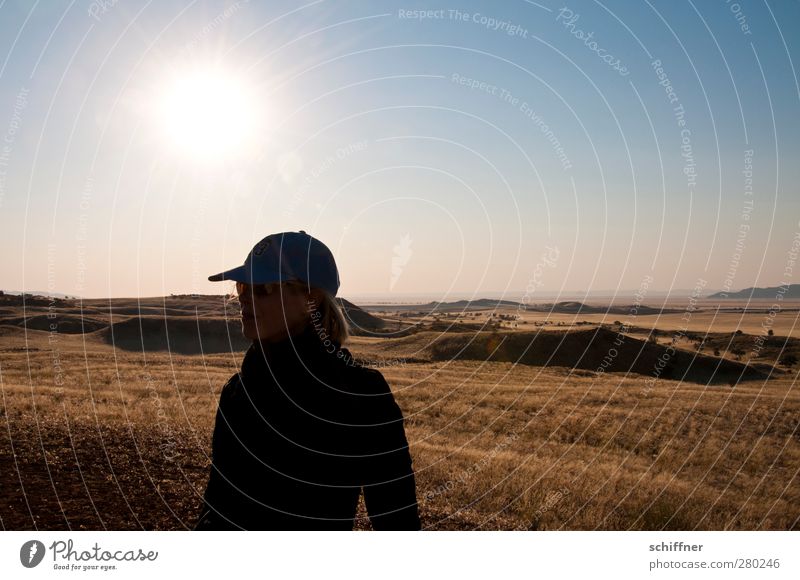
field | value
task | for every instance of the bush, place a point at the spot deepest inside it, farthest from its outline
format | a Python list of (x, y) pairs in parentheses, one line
[(788, 360)]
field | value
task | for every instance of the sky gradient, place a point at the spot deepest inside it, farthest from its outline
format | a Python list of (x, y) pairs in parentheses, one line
[(453, 149)]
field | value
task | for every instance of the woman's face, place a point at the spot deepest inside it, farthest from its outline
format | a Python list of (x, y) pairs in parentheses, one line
[(271, 312)]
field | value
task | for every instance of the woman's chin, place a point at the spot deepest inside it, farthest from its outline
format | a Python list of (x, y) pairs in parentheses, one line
[(249, 330)]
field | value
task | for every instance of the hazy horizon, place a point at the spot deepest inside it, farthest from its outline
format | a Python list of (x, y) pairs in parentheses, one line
[(419, 298)]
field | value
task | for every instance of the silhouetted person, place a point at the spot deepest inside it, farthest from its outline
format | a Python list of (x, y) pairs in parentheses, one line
[(301, 428)]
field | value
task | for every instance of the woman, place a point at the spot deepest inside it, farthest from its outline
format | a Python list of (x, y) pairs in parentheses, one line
[(301, 429)]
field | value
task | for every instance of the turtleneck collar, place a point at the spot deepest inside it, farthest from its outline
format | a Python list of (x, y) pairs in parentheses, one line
[(299, 348), (302, 340)]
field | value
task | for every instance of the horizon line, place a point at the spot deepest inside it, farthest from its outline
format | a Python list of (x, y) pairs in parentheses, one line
[(429, 296)]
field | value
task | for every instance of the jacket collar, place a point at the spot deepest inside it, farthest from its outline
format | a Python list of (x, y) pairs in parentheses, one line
[(300, 350)]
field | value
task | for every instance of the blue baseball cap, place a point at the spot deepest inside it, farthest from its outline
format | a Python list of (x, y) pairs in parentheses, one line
[(287, 256)]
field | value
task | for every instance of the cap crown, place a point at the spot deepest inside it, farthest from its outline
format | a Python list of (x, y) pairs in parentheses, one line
[(287, 256)]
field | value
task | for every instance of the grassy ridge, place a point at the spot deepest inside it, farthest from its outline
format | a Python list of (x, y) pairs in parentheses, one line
[(96, 437)]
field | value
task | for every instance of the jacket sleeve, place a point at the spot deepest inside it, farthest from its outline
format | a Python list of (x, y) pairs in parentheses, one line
[(389, 488), (217, 493)]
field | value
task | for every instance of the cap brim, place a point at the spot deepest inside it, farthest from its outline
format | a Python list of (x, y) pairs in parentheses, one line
[(246, 275), (238, 274)]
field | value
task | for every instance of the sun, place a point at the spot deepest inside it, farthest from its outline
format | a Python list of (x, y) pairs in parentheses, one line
[(208, 113)]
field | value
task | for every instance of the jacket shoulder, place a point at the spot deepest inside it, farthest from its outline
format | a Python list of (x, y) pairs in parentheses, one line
[(361, 379), (372, 392), (231, 388)]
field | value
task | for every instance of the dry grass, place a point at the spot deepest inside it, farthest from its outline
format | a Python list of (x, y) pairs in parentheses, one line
[(123, 441)]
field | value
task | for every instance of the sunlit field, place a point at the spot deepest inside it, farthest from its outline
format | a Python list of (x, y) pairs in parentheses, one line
[(107, 430)]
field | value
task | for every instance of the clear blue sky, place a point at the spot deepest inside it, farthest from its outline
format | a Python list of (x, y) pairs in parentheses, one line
[(443, 154)]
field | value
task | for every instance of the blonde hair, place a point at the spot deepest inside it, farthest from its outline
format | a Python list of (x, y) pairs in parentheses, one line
[(328, 316), (331, 318)]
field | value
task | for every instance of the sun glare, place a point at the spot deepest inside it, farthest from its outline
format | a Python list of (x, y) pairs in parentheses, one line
[(209, 113)]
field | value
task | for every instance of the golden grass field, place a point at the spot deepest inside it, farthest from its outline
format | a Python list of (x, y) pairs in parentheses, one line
[(98, 433)]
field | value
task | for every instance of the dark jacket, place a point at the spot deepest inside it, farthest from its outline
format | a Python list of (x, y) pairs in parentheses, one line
[(299, 431)]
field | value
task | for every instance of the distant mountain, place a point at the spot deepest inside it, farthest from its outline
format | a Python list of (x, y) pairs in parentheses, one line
[(361, 322), (566, 307), (573, 307), (770, 293), (36, 293), (462, 304), (458, 305)]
